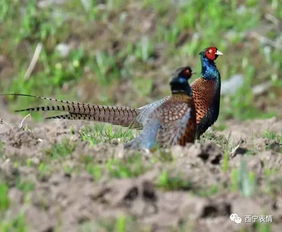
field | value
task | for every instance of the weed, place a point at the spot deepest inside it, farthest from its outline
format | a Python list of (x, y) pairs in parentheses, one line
[(169, 182), (105, 68), (25, 185), (4, 198), (243, 180), (100, 133), (163, 156), (274, 141), (44, 169), (273, 136), (68, 169), (225, 162), (2, 147), (121, 224), (86, 159), (94, 170), (207, 191), (17, 224), (61, 150), (112, 66), (144, 49), (130, 167), (263, 227)]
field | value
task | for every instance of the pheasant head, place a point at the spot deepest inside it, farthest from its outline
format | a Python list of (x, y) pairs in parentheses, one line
[(211, 53), (179, 83), (209, 70)]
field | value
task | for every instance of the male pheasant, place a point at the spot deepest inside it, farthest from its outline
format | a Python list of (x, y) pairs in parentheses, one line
[(206, 94), (174, 121)]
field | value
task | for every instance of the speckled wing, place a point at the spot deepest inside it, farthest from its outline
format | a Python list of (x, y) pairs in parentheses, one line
[(176, 118), (147, 138), (145, 111)]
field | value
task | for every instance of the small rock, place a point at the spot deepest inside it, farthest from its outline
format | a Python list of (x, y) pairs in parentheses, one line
[(63, 49), (230, 86)]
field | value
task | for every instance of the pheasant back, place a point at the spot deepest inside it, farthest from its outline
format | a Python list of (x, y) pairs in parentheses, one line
[(171, 123), (178, 121)]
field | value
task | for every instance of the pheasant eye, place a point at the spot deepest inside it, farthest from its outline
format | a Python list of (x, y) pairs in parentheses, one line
[(186, 72), (210, 50)]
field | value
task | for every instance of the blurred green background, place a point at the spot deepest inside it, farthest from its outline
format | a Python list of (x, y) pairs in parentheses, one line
[(123, 51)]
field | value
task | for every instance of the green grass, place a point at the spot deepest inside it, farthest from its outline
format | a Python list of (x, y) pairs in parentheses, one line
[(263, 227), (208, 191), (17, 224), (274, 141), (94, 170), (273, 136), (167, 181), (172, 182), (124, 54), (162, 156), (2, 147), (44, 169), (243, 180), (122, 223), (61, 150), (132, 166), (4, 198), (128, 167), (104, 133), (225, 162), (25, 185)]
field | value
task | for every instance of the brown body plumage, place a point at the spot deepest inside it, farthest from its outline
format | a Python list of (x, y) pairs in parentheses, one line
[(175, 109), (173, 122), (203, 94)]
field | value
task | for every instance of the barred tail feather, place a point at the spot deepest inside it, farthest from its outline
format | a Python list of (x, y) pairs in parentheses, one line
[(44, 108), (128, 121), (39, 97), (117, 115)]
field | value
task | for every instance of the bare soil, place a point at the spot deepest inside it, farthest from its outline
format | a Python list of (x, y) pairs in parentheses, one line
[(76, 201)]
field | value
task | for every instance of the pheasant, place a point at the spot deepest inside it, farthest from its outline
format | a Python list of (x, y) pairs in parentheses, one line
[(174, 121), (206, 94)]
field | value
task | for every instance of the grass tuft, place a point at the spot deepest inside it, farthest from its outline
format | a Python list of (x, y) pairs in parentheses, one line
[(132, 166), (169, 182), (4, 197), (61, 150)]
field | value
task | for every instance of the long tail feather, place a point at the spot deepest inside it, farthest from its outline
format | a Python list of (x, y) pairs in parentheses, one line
[(117, 115), (46, 108), (115, 120), (39, 97)]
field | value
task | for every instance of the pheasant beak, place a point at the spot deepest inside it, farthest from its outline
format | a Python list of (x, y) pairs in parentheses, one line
[(219, 53), (193, 72)]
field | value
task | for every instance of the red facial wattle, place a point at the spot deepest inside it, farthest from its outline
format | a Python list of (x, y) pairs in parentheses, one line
[(212, 53)]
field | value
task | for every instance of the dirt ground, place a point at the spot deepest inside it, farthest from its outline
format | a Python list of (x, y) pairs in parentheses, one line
[(76, 201)]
